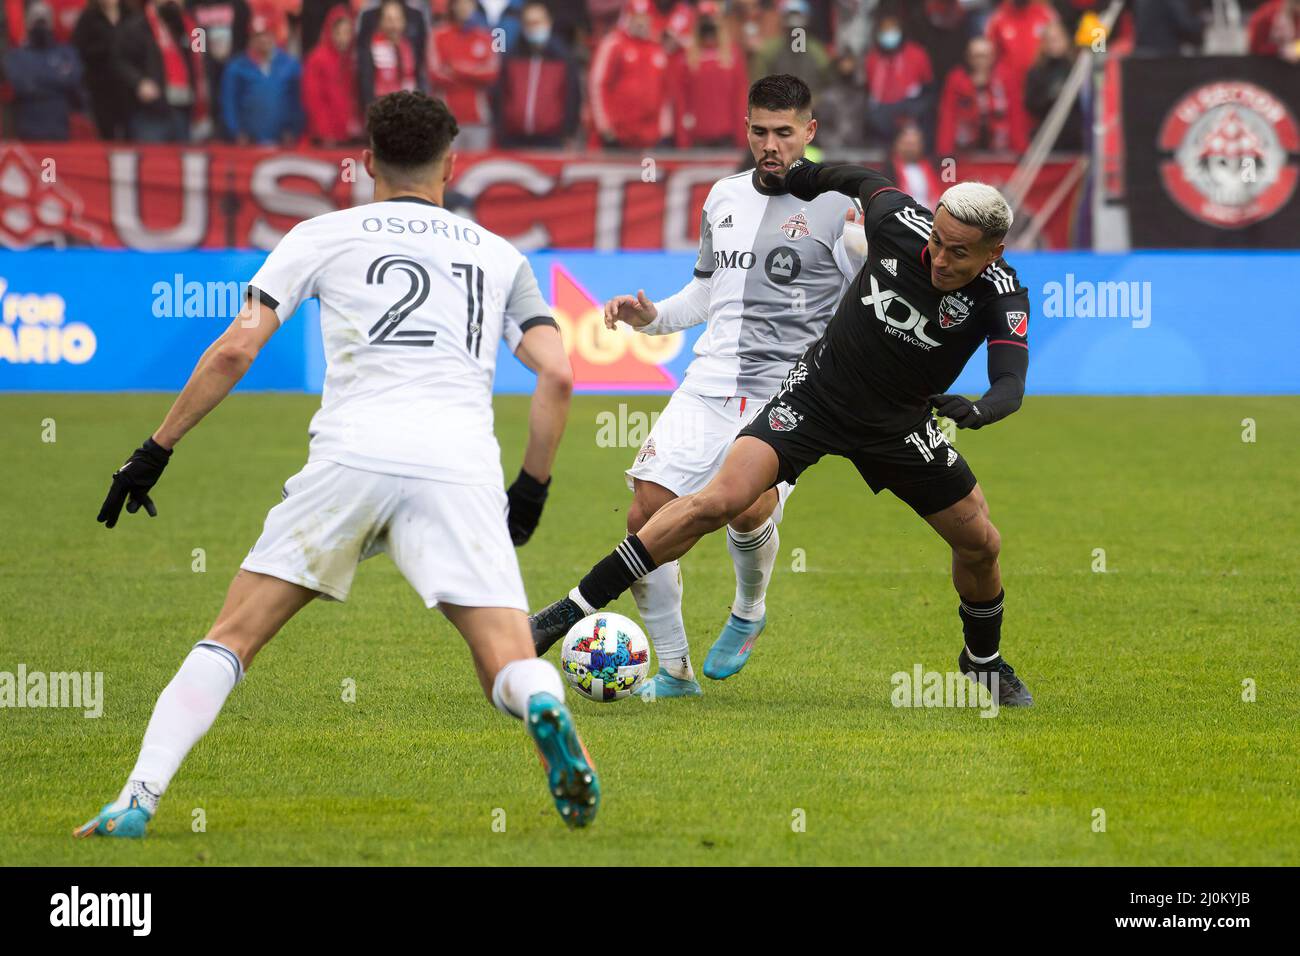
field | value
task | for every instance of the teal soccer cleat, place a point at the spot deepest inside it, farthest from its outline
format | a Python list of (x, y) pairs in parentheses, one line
[(130, 822), (664, 684), (732, 648), (569, 773)]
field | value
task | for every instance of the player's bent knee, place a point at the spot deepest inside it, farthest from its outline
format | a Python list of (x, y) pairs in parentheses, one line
[(756, 515), (710, 510), (981, 548)]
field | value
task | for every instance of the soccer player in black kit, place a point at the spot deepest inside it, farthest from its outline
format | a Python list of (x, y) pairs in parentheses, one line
[(934, 287)]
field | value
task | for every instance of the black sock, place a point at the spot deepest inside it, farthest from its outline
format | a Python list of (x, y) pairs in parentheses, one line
[(981, 622), (614, 573)]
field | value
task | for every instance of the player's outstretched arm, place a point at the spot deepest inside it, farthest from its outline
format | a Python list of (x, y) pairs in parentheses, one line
[(542, 351), (1008, 366), (219, 369), (807, 180), (686, 308)]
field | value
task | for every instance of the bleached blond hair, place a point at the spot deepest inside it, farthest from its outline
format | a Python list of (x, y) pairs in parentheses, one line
[(981, 206)]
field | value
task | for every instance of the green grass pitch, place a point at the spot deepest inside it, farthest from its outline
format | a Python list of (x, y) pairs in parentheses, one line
[(1138, 671)]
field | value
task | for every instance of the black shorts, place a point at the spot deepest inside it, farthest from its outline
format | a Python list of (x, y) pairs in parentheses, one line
[(920, 466)]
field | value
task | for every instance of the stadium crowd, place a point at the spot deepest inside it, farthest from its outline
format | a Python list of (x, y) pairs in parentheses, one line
[(931, 75)]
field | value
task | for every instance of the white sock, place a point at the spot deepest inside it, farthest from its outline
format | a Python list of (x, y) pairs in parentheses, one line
[(185, 710), (519, 680), (754, 555), (576, 597), (658, 597)]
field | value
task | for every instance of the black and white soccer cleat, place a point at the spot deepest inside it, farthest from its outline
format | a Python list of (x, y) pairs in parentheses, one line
[(1012, 691), (553, 622)]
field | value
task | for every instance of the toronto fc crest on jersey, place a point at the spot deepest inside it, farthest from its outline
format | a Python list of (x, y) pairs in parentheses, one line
[(954, 310), (796, 227)]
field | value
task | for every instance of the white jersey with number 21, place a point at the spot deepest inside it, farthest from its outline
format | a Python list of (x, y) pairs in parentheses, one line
[(413, 300)]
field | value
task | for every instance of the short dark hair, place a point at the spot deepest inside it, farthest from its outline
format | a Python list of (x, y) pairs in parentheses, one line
[(781, 91), (409, 129)]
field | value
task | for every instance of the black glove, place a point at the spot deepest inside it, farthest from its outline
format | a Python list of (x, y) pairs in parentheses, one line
[(134, 479), (961, 410), (526, 497), (801, 179)]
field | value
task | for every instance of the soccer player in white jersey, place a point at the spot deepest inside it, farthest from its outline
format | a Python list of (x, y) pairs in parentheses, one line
[(771, 270), (403, 458)]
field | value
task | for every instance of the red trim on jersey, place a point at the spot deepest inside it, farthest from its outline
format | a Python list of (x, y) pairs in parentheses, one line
[(742, 404), (1007, 342), (882, 189)]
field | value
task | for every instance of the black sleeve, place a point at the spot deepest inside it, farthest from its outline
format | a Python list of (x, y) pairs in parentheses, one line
[(807, 181), (1007, 322)]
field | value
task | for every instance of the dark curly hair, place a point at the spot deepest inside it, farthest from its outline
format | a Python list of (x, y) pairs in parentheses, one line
[(780, 91), (409, 129)]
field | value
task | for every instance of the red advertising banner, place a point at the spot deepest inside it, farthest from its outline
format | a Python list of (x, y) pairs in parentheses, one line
[(226, 197)]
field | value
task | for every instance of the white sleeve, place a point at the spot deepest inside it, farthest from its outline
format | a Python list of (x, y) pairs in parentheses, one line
[(688, 307), (850, 249), (524, 307), (288, 276)]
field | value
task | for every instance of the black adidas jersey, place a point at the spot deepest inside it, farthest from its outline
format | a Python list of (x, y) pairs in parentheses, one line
[(895, 339)]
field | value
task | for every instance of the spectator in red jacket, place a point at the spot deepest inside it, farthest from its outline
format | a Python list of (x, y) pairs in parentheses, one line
[(1274, 30), (982, 107), (387, 63), (710, 84), (629, 82), (329, 83), (537, 98), (899, 80), (913, 170), (1016, 29), (462, 68)]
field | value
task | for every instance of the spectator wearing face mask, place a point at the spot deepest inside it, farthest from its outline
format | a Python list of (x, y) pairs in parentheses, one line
[(462, 70), (1274, 30), (46, 79), (981, 107), (1016, 29), (810, 61), (537, 98), (225, 26), (93, 38), (710, 85), (899, 81), (628, 84), (329, 83), (261, 91), (840, 110)]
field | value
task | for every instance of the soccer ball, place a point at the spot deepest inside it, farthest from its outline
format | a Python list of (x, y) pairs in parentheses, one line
[(605, 657)]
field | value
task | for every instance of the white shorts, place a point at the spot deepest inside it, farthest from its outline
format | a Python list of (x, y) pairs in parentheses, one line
[(689, 441), (449, 541)]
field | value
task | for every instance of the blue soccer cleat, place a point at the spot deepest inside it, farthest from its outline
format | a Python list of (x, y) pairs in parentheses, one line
[(569, 773), (664, 684), (130, 822), (732, 648)]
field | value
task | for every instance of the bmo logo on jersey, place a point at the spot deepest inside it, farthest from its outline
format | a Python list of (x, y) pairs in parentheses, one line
[(906, 321), (733, 259)]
